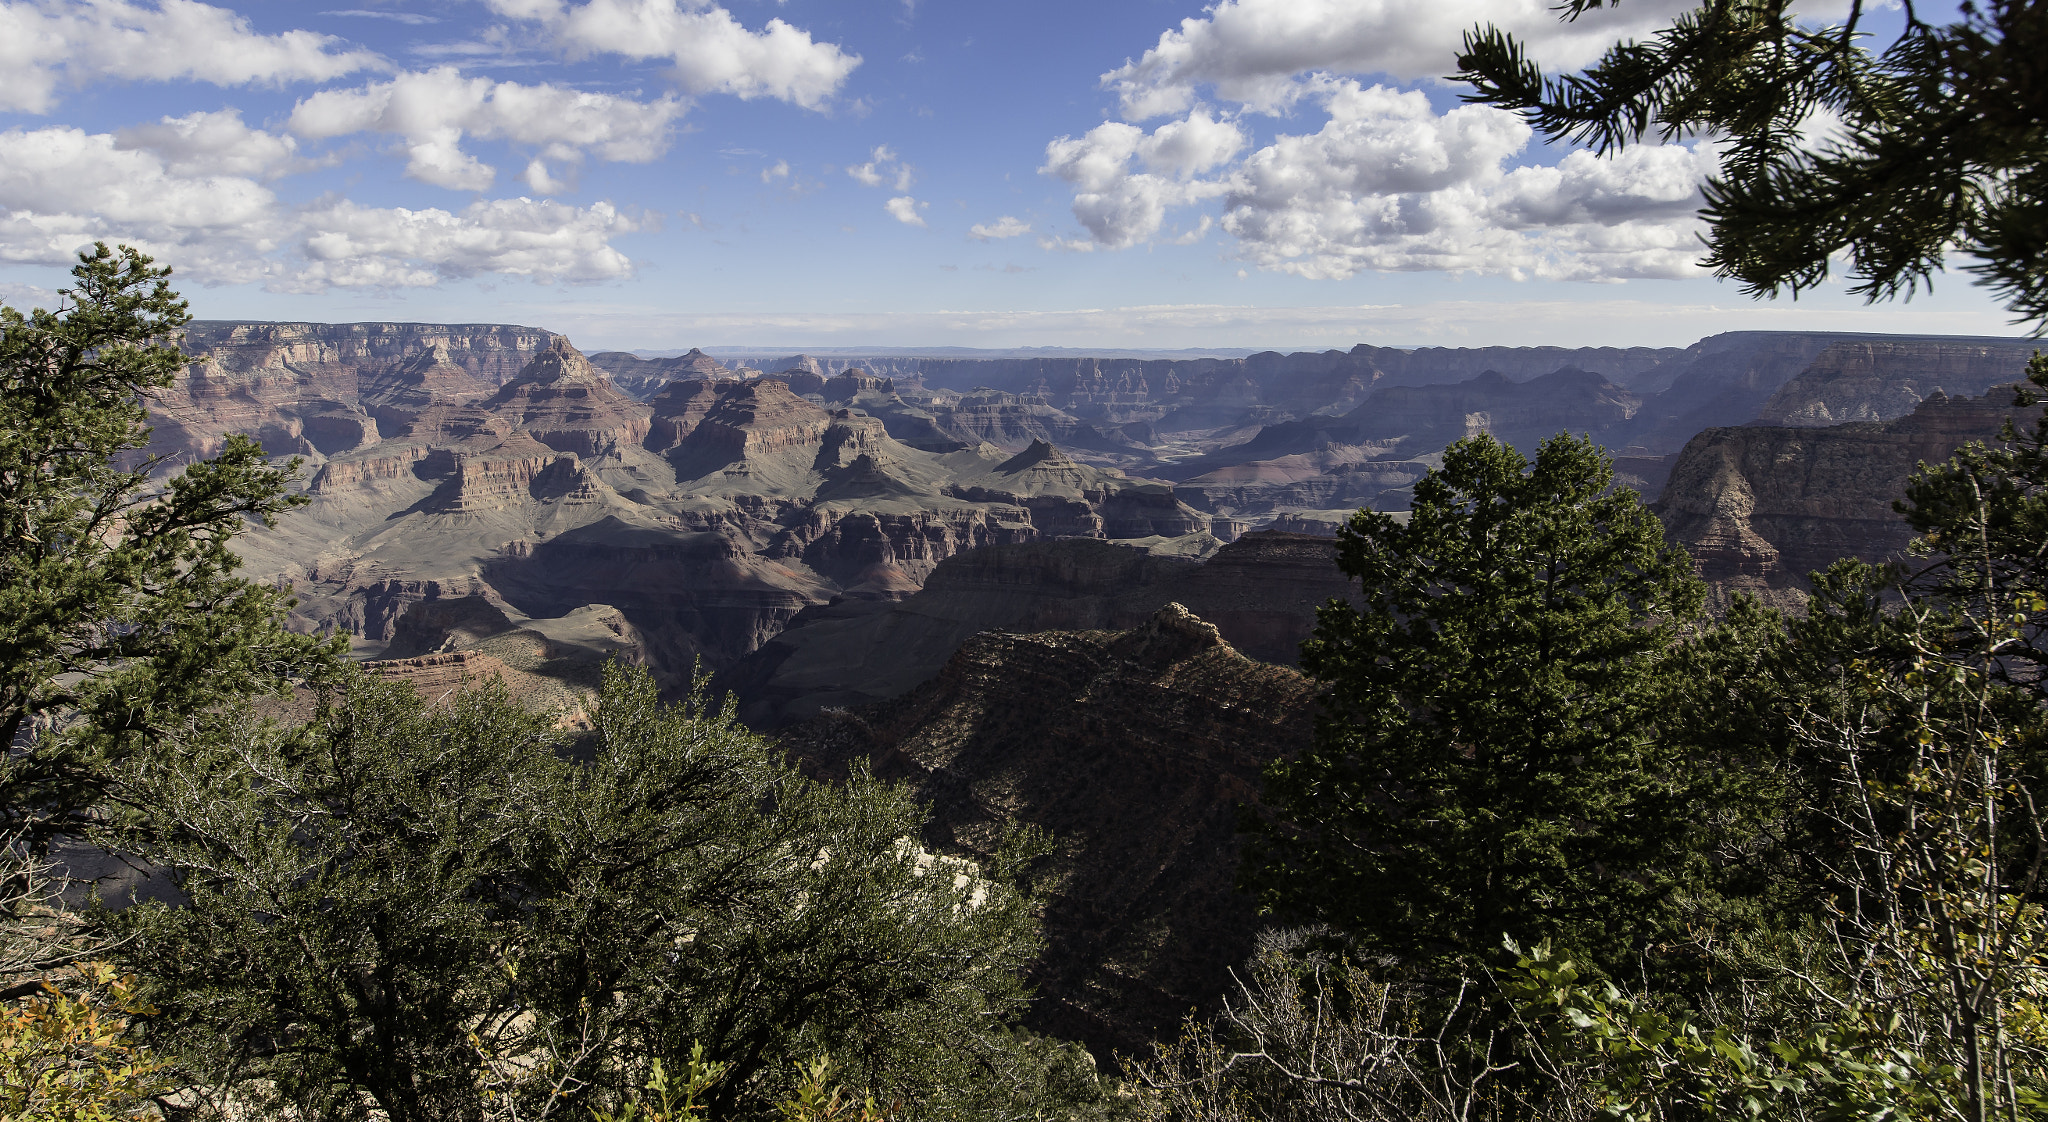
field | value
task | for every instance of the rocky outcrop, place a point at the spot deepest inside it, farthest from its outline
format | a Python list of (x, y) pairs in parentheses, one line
[(1760, 507), (645, 377), (799, 381), (1882, 380), (708, 517), (1132, 750), (1014, 421), (854, 382), (1262, 591), (564, 402), (314, 389)]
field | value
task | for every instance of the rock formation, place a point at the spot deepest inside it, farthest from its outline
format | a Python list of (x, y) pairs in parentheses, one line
[(1132, 750), (1261, 591), (1882, 380), (1760, 507), (707, 517), (315, 389), (644, 377)]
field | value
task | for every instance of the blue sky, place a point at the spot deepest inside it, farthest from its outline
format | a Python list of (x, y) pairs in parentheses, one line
[(667, 173)]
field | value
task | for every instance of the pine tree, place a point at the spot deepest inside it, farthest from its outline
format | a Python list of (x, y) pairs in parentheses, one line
[(1493, 756), (124, 619), (1939, 151)]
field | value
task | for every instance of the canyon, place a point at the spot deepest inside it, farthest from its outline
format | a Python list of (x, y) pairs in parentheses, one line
[(754, 518), (1065, 593), (1159, 734)]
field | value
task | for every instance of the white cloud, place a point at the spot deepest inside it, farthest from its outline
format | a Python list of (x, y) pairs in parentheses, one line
[(1121, 206), (904, 209), (349, 245), (218, 143), (434, 109), (1389, 184), (1004, 227), (1255, 52), (410, 19), (540, 181), (62, 188), (712, 51), (884, 165), (47, 42), (778, 170)]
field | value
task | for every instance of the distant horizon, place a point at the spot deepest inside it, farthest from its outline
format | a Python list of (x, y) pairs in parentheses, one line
[(1186, 176), (1110, 351)]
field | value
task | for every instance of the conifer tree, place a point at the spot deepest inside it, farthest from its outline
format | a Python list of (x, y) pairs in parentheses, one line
[(1939, 152), (1491, 757), (124, 618)]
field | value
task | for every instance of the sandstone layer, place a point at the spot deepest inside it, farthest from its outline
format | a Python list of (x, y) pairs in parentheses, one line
[(315, 389), (1760, 507), (1132, 750), (706, 517)]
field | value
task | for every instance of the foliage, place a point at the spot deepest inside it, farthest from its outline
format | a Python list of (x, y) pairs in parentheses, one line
[(1500, 747), (124, 618), (1938, 149), (668, 1098), (68, 1053), (440, 912), (1982, 521), (1308, 1036)]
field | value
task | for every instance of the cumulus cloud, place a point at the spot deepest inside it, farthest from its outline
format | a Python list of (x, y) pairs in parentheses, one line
[(344, 244), (1389, 184), (540, 180), (1257, 52), (45, 43), (884, 165), (778, 170), (200, 144), (904, 209), (712, 51), (1004, 227), (61, 188), (1122, 205), (434, 109)]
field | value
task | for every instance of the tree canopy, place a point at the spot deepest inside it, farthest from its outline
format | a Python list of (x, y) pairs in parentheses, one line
[(460, 914), (1497, 753), (1937, 145), (125, 619)]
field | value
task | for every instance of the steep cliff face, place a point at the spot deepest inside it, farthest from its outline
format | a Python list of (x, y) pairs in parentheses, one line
[(645, 377), (708, 517), (1425, 419), (314, 389), (1759, 507), (1261, 590), (1882, 380), (564, 402), (1132, 750)]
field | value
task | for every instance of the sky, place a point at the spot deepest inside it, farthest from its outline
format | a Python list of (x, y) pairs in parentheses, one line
[(660, 174)]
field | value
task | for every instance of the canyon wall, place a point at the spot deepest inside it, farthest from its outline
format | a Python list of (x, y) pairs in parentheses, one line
[(1760, 507), (1132, 750)]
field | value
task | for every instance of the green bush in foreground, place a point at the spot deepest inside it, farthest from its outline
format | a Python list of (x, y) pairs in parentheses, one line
[(444, 913)]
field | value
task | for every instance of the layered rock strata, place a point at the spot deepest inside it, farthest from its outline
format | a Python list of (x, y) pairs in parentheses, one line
[(1132, 750), (1261, 591), (1760, 507), (315, 389), (1883, 380), (707, 517)]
